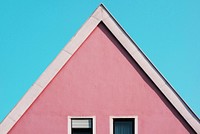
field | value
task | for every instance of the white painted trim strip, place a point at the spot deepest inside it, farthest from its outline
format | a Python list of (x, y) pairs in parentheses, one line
[(20, 108), (49, 74), (100, 15), (139, 57), (151, 71)]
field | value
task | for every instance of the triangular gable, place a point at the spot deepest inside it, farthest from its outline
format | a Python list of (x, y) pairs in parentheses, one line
[(100, 15)]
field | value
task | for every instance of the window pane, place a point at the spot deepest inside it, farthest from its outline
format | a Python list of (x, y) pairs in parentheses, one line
[(82, 131), (81, 126), (81, 123), (123, 126)]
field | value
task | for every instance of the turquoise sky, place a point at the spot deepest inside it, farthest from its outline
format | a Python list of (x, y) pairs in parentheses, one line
[(32, 32)]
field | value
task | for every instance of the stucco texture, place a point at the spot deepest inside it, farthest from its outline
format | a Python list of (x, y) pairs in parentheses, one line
[(101, 80)]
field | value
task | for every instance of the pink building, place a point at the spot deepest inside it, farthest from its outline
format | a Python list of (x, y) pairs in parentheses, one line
[(101, 83)]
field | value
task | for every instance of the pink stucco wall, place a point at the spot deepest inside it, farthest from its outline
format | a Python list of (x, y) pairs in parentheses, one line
[(101, 80)]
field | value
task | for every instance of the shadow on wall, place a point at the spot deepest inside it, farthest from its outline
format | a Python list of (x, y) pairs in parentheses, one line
[(146, 78)]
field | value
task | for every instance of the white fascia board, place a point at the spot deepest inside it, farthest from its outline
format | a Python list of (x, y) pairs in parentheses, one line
[(53, 69), (34, 92), (20, 108), (50, 72), (152, 72), (84, 32), (120, 36), (180, 106), (101, 14)]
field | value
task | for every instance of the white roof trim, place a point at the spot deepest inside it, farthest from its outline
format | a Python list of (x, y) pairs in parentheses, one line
[(101, 14)]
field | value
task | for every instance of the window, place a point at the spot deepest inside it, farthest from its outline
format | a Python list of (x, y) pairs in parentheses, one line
[(123, 125), (81, 125)]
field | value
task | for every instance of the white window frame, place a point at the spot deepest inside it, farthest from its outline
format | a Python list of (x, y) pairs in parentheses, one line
[(82, 117), (124, 117)]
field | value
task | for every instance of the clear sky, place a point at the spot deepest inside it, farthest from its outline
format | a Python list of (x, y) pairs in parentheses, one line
[(32, 32)]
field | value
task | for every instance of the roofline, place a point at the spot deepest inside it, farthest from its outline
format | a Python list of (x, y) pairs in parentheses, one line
[(101, 14), (149, 61)]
